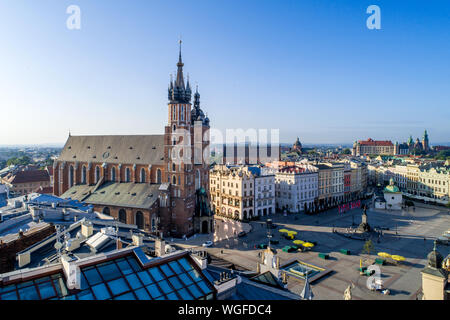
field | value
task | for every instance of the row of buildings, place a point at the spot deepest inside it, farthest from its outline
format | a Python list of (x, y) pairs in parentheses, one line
[(426, 181), (245, 191), (386, 147)]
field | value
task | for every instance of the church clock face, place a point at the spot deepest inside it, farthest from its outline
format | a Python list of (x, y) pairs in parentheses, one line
[(106, 155)]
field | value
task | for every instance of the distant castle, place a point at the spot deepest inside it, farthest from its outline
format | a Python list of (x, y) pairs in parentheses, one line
[(411, 145)]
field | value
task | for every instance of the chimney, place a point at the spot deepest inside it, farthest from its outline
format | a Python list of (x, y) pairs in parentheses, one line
[(138, 239), (87, 229), (160, 247)]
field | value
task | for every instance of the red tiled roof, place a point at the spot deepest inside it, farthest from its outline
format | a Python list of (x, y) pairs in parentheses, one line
[(379, 143), (29, 176)]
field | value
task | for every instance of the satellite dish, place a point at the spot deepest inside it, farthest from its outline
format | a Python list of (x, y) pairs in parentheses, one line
[(58, 245)]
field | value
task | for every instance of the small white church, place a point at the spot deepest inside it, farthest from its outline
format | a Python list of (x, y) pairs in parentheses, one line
[(393, 198)]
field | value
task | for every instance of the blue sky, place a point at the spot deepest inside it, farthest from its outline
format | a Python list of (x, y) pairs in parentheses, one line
[(309, 68)]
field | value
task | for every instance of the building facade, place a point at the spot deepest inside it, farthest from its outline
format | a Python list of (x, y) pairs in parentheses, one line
[(149, 180), (296, 188), (370, 146), (232, 191)]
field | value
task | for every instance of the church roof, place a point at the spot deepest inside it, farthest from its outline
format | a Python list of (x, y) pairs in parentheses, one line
[(126, 149), (123, 194)]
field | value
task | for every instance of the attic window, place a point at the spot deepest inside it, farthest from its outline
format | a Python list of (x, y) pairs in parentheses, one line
[(131, 148), (88, 147), (115, 157), (133, 194), (138, 157), (150, 195), (109, 147), (152, 147), (69, 147), (117, 193), (94, 157), (74, 157)]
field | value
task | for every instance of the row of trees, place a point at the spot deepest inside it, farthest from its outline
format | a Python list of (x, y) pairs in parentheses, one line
[(23, 160)]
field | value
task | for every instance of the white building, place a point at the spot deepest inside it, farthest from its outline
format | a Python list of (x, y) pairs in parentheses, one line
[(264, 195), (393, 196), (296, 187)]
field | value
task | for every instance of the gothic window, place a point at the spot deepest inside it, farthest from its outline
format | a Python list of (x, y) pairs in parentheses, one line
[(139, 220), (198, 179), (143, 178), (106, 211), (83, 175), (158, 176), (174, 167), (127, 175), (174, 179), (113, 174), (182, 113), (70, 176), (122, 216), (97, 174)]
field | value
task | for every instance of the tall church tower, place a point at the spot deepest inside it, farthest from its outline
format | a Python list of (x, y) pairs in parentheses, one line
[(425, 142), (184, 136)]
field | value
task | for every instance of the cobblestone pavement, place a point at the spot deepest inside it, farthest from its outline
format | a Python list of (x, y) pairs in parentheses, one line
[(411, 234)]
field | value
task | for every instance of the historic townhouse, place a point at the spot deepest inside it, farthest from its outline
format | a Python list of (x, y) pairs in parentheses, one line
[(296, 187), (147, 180), (232, 191)]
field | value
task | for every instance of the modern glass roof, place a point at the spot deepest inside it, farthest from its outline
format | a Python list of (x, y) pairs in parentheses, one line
[(120, 279)]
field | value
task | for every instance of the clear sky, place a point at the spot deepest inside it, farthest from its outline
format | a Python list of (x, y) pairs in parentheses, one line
[(309, 68)]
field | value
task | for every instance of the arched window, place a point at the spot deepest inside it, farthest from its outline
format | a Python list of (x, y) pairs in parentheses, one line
[(113, 174), (127, 175), (158, 176), (122, 216), (143, 178), (139, 220), (182, 113), (97, 174), (174, 179), (106, 211), (198, 182), (83, 175), (70, 176), (174, 167)]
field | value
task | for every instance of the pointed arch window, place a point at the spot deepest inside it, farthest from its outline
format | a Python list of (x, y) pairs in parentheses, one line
[(113, 174), (182, 113), (70, 176), (83, 175), (158, 176), (97, 174), (143, 175), (174, 180), (127, 175)]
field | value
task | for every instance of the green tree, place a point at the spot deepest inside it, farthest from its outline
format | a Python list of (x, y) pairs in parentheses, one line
[(443, 155), (23, 160), (368, 247), (346, 151)]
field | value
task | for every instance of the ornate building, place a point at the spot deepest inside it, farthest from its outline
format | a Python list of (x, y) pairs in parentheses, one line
[(158, 182), (371, 146), (297, 146)]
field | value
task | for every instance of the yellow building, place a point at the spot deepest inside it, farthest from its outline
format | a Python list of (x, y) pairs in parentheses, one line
[(232, 191)]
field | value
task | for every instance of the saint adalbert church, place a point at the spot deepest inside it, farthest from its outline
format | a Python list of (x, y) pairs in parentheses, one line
[(135, 178)]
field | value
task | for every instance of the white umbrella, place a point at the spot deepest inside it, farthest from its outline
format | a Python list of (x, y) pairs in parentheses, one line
[(307, 293)]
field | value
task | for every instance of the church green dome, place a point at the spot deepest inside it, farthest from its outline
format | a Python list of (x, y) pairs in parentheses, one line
[(391, 187)]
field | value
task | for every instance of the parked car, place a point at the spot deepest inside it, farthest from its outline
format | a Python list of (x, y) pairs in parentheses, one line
[(207, 244), (242, 234)]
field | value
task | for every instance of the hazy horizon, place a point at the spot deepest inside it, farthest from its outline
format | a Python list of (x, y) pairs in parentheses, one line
[(311, 69)]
